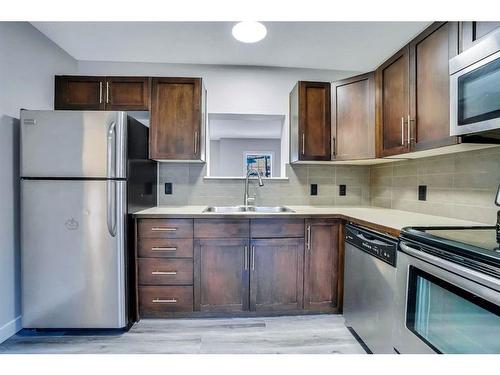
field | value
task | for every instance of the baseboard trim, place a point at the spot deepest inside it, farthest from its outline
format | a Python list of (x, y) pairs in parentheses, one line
[(10, 329)]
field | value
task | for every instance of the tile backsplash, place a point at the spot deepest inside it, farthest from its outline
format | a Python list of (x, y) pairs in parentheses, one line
[(461, 185), (190, 188)]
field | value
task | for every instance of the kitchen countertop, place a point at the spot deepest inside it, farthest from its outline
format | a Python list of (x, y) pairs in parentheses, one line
[(382, 219)]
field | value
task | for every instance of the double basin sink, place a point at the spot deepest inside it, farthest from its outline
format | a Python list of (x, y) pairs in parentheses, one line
[(237, 209)]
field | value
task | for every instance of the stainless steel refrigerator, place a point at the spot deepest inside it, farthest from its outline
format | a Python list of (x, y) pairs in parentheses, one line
[(82, 174)]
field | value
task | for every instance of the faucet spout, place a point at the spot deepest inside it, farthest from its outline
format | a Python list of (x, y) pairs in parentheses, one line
[(250, 172)]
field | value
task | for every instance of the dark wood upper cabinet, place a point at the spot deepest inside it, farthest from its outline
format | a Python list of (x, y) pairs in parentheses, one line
[(429, 119), (276, 274), (321, 270), (473, 31), (79, 93), (127, 93), (412, 93), (392, 82), (102, 93), (221, 274), (353, 118), (310, 121), (177, 123)]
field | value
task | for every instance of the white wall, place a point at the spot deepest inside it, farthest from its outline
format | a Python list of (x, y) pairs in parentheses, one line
[(228, 160), (28, 63)]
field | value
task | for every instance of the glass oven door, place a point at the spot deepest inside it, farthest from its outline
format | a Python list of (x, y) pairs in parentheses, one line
[(450, 319)]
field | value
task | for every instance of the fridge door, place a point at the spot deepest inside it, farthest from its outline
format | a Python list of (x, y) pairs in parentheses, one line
[(73, 144), (73, 254)]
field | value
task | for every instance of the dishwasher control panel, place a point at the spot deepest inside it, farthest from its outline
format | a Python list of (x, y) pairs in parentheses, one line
[(379, 245)]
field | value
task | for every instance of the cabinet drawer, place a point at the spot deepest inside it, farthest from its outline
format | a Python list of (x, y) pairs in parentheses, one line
[(276, 228), (158, 271), (165, 248), (155, 301), (217, 228), (165, 228)]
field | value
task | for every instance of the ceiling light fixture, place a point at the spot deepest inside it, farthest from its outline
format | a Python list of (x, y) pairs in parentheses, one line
[(249, 31)]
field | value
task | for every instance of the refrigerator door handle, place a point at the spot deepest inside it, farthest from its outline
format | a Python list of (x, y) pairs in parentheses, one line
[(111, 150), (110, 184), (111, 206)]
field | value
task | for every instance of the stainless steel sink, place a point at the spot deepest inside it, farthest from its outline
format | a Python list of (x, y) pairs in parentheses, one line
[(267, 209), (225, 209), (236, 209)]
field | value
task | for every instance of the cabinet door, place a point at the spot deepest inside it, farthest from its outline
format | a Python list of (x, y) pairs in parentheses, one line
[(473, 31), (276, 274), (221, 277), (430, 86), (127, 93), (79, 92), (175, 119), (321, 271), (353, 118), (314, 120), (392, 105)]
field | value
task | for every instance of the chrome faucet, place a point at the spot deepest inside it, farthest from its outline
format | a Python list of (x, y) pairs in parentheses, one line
[(246, 199)]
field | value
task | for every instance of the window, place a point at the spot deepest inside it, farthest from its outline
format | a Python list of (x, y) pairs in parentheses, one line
[(237, 142)]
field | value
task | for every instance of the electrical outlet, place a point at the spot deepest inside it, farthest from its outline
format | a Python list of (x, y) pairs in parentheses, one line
[(342, 190), (422, 192), (314, 189), (168, 188)]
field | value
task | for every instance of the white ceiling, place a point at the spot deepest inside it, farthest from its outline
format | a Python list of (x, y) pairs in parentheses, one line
[(223, 125), (355, 46)]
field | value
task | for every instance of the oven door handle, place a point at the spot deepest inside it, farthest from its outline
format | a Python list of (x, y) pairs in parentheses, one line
[(448, 266)]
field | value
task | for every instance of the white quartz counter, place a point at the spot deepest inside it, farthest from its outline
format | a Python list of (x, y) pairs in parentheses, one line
[(382, 218)]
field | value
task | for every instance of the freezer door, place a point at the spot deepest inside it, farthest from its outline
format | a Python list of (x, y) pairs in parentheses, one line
[(82, 144), (72, 266)]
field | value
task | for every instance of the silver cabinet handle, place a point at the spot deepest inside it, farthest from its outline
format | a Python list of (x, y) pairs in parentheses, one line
[(253, 258), (402, 131), (409, 129), (100, 92), (308, 238), (164, 273), (107, 92), (163, 229), (334, 147), (303, 143), (196, 142), (245, 255), (168, 300), (163, 249)]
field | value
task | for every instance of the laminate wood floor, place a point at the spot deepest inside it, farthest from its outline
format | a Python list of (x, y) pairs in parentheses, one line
[(311, 334)]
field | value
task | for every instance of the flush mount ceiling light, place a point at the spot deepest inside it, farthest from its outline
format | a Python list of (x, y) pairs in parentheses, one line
[(249, 31)]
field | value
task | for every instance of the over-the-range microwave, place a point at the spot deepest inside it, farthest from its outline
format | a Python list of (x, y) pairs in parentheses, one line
[(475, 88)]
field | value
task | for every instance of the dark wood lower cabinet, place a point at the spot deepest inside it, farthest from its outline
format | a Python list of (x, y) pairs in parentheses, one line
[(276, 274), (221, 274), (321, 269), (239, 266)]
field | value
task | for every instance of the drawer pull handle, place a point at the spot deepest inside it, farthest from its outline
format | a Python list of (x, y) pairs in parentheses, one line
[(160, 229), (163, 249), (164, 273), (168, 300)]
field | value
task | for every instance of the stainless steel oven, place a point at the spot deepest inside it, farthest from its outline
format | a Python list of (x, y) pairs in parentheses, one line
[(443, 306), (475, 88)]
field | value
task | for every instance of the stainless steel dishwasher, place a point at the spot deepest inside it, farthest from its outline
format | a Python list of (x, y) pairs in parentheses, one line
[(369, 286)]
